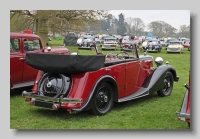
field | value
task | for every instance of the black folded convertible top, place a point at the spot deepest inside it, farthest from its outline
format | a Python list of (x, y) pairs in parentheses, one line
[(64, 64)]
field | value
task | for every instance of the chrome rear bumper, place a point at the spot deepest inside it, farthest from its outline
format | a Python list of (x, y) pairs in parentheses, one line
[(26, 94), (182, 115)]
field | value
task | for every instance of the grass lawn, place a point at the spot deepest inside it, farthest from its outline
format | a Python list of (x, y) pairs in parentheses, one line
[(150, 112)]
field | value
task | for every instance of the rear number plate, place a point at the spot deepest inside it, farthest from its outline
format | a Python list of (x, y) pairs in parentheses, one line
[(44, 104)]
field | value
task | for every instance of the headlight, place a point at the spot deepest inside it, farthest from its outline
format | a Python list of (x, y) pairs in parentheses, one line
[(158, 61)]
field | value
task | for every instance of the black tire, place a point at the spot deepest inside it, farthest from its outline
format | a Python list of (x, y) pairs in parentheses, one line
[(58, 85), (103, 99), (167, 85)]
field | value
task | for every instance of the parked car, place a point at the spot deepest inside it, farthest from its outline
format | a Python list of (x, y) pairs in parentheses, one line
[(186, 43), (128, 46), (21, 74), (94, 82), (110, 43), (138, 40), (184, 113), (97, 40), (103, 38), (153, 45), (168, 42), (87, 43), (162, 42), (70, 39), (175, 47), (183, 39), (144, 44), (125, 39), (80, 40)]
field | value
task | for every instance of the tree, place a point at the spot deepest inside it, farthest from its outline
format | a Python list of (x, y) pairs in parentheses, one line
[(161, 29), (20, 23), (122, 28), (138, 25), (60, 20), (129, 21), (184, 31)]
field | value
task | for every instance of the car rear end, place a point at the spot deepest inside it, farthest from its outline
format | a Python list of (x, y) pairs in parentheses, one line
[(184, 113), (110, 44)]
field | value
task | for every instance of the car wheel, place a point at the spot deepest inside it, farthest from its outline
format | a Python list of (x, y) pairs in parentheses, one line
[(103, 99), (167, 85)]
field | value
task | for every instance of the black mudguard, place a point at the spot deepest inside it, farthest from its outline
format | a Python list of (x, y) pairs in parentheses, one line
[(88, 103), (155, 81)]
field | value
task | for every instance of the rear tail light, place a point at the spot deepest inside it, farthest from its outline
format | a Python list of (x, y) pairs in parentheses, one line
[(27, 99), (56, 106), (32, 102)]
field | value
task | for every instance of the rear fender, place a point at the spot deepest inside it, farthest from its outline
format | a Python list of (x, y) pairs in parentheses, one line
[(154, 81), (88, 103)]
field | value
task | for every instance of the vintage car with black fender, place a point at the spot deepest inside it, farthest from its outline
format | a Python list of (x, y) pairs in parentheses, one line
[(21, 74), (95, 82), (87, 43), (184, 113), (153, 45)]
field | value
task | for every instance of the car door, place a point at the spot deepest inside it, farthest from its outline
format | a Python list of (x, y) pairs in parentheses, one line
[(16, 60), (131, 77), (30, 45)]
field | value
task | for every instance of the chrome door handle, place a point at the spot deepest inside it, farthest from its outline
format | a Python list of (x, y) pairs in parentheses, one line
[(21, 58)]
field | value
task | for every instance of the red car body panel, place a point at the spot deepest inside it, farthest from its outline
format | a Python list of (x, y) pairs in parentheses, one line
[(22, 74), (184, 113)]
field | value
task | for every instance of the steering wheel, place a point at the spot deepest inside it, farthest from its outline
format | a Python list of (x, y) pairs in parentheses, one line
[(123, 53), (111, 56)]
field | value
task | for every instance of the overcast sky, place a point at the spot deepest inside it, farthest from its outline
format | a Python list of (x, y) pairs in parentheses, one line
[(173, 17)]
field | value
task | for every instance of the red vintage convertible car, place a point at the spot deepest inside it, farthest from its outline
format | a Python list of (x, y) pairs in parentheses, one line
[(94, 82), (184, 113), (21, 74)]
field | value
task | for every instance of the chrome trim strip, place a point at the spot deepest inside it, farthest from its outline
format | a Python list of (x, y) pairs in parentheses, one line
[(68, 100), (29, 83), (131, 98)]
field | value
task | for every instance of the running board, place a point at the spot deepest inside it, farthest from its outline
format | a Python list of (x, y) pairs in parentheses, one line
[(140, 93), (24, 84)]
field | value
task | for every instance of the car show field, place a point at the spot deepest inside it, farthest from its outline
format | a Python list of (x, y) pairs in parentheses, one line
[(148, 112)]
